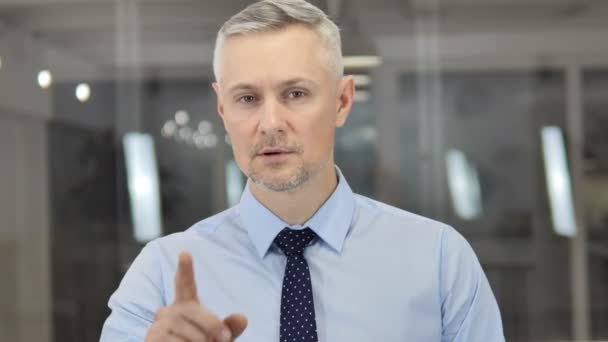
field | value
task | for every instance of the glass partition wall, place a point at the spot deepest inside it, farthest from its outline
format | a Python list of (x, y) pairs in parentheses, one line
[(487, 115)]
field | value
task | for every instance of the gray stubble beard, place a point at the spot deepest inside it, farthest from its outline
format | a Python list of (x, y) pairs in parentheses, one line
[(295, 182), (301, 176)]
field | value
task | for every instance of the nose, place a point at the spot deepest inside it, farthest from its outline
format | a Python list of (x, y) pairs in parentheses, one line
[(272, 120)]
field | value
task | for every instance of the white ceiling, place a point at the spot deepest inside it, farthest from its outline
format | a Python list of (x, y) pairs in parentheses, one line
[(180, 33)]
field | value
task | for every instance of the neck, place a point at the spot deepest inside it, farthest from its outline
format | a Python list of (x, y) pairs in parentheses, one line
[(297, 207)]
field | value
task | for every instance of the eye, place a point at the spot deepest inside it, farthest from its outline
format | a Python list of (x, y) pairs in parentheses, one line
[(247, 99), (296, 94)]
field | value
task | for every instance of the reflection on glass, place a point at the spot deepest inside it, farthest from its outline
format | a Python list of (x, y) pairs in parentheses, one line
[(142, 179), (463, 182), (558, 181)]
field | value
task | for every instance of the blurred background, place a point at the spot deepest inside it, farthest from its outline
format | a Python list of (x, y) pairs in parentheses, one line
[(490, 115)]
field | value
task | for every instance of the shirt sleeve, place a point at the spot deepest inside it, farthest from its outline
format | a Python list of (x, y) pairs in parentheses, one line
[(468, 307), (135, 302)]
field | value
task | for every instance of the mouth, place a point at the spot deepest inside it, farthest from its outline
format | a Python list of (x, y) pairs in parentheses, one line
[(273, 151), (272, 155)]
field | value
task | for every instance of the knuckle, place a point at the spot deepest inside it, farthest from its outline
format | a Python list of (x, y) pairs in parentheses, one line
[(194, 310), (192, 306), (186, 306), (156, 332), (160, 313), (214, 325)]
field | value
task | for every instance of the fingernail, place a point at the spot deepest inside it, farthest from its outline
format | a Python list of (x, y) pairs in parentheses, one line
[(225, 335)]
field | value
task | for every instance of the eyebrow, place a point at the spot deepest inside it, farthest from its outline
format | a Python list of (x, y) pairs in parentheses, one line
[(282, 84)]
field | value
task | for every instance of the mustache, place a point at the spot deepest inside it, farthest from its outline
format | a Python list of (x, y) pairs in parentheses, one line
[(276, 141)]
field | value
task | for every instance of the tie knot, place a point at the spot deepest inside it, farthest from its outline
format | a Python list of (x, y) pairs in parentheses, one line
[(293, 242)]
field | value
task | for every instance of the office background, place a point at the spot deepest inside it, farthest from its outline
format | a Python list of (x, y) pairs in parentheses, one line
[(490, 115)]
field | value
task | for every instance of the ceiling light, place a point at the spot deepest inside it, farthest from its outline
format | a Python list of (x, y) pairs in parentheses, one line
[(143, 186), (205, 127), (45, 79), (83, 92), (168, 129), (362, 96), (199, 139), (557, 177), (362, 80), (361, 62), (182, 117), (464, 185), (210, 140), (185, 134)]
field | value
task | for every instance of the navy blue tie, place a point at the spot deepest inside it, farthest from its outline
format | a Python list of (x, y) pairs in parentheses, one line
[(297, 305)]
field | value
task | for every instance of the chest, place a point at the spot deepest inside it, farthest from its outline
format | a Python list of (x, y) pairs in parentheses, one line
[(357, 297)]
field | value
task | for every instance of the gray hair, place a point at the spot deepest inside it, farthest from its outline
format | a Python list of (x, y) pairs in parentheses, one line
[(274, 15)]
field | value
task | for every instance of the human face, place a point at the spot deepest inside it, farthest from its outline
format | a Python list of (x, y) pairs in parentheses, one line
[(281, 104)]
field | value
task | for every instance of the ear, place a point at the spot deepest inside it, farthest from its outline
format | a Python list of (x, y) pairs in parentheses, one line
[(346, 93), (220, 104)]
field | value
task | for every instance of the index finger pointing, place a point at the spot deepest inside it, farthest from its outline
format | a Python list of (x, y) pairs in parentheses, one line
[(185, 285)]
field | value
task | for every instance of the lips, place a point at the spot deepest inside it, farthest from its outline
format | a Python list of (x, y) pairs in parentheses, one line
[(269, 151), (273, 156)]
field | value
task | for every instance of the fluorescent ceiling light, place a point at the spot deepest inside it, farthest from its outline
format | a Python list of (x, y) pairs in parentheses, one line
[(362, 96), (143, 186), (362, 80), (361, 62), (558, 182), (463, 182)]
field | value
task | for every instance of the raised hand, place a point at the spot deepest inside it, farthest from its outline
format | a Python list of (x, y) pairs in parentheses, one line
[(186, 319)]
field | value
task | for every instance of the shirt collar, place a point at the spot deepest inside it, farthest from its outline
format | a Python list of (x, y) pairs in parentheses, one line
[(331, 222)]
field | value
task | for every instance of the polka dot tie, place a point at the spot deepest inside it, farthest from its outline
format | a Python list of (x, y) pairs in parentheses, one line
[(297, 307)]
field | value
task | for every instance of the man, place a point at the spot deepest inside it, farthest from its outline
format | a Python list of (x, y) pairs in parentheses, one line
[(300, 257)]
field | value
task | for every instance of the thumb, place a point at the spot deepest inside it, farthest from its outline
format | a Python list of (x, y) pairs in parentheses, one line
[(236, 323), (185, 286)]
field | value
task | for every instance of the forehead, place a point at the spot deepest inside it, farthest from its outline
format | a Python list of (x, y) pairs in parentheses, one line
[(296, 51)]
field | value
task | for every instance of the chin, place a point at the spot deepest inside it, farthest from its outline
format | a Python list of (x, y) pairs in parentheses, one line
[(280, 181)]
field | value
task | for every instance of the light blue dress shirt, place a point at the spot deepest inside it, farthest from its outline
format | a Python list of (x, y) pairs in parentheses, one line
[(378, 274)]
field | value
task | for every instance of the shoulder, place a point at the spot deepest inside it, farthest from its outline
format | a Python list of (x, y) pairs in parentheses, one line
[(205, 230), (413, 232), (385, 215), (208, 226)]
